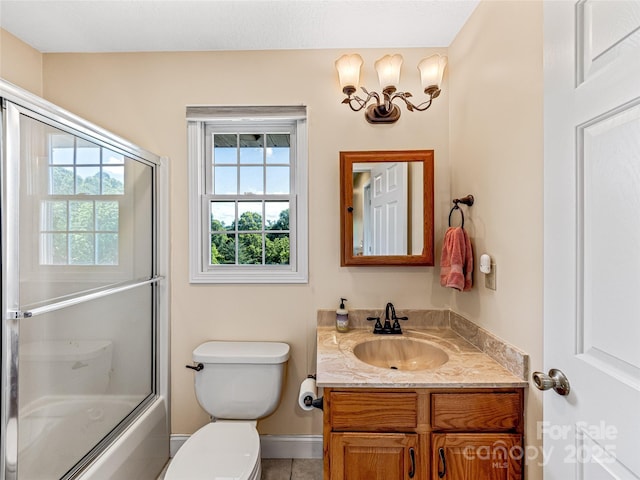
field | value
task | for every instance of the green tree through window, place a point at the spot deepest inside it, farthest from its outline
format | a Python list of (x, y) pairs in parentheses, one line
[(250, 245)]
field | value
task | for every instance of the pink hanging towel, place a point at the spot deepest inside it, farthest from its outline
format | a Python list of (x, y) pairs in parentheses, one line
[(456, 264)]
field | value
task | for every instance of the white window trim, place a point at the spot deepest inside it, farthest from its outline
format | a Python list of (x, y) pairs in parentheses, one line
[(297, 271)]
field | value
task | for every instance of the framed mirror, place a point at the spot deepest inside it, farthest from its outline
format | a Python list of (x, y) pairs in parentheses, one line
[(386, 208)]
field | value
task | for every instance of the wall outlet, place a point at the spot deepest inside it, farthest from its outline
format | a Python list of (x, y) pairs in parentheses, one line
[(490, 278)]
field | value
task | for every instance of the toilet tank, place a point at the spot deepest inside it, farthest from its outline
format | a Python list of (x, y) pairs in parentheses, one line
[(240, 380), (64, 367)]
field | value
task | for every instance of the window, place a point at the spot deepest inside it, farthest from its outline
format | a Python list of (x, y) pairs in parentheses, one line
[(80, 215), (248, 199)]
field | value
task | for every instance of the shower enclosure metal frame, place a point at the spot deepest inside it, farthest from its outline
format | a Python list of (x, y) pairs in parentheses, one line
[(14, 102)]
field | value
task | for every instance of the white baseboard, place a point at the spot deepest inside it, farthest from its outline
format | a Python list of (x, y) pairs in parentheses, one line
[(272, 446), (291, 446)]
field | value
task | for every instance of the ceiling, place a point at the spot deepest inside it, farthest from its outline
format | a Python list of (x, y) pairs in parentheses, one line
[(195, 25)]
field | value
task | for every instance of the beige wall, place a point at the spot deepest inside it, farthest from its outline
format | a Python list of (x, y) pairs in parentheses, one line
[(497, 155), (20, 64), (143, 97), (490, 116)]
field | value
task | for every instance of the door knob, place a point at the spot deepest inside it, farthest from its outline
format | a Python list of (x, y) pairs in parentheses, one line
[(556, 380)]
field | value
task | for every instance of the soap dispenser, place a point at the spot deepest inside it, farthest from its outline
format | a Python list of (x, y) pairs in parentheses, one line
[(342, 317)]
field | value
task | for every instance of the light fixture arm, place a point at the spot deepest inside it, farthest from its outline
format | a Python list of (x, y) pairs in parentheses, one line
[(359, 102), (432, 91), (384, 110)]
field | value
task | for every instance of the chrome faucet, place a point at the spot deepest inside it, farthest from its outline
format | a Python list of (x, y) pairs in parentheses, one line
[(387, 328)]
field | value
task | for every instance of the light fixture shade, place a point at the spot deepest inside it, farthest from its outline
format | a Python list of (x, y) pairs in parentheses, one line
[(388, 68), (431, 70), (348, 67)]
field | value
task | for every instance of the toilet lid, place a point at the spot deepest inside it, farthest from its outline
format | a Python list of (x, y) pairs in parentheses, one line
[(218, 451)]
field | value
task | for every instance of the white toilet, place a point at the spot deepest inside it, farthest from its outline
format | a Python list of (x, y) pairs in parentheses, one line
[(240, 383)]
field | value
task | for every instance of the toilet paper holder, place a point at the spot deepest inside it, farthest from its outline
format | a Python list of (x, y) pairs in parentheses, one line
[(317, 403), (309, 401)]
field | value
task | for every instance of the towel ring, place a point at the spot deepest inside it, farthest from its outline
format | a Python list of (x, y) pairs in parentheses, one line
[(468, 200), (456, 207)]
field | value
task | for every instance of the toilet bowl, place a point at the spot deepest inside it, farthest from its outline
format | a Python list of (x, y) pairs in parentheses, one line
[(238, 383)]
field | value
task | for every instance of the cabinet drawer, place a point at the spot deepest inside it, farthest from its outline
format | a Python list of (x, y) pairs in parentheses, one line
[(374, 412), (495, 412)]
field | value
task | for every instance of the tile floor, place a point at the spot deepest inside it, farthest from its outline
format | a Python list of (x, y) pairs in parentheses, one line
[(292, 469), (287, 469)]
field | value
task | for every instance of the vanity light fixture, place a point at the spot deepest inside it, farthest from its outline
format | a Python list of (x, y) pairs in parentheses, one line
[(388, 68)]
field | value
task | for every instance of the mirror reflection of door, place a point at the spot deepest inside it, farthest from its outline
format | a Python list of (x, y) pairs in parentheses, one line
[(389, 208), (383, 211)]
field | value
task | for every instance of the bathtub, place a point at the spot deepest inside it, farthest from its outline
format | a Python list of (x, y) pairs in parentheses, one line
[(138, 452)]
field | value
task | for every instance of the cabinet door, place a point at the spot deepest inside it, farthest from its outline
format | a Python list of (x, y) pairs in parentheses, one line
[(375, 456), (468, 456)]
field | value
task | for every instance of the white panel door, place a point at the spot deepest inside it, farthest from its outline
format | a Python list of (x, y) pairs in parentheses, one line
[(389, 204), (592, 238)]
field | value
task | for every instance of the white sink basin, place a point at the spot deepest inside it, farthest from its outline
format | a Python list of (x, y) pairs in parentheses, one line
[(400, 353)]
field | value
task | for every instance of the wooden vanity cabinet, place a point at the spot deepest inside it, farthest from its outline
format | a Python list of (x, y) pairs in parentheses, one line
[(367, 456), (372, 434), (486, 456), (477, 435), (423, 434)]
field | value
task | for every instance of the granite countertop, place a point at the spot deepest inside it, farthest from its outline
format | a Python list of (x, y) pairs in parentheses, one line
[(467, 367)]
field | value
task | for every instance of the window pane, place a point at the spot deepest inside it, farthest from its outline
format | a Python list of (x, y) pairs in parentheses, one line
[(110, 158), (249, 216), (225, 180), (277, 249), (278, 180), (223, 216), (62, 149), (81, 216), (223, 249), (54, 216), (276, 215), (81, 249), (107, 249), (251, 180), (54, 249), (87, 153), (250, 249), (278, 148), (225, 148), (62, 156), (107, 214), (61, 181), (88, 180), (113, 180), (252, 148)]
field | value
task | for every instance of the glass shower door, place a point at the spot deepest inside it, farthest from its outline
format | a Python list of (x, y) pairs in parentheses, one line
[(82, 286)]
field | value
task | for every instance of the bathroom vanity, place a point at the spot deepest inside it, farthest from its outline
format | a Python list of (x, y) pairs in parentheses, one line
[(423, 434), (458, 419)]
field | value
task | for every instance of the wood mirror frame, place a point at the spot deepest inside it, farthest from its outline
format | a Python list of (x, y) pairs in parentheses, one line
[(347, 161)]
